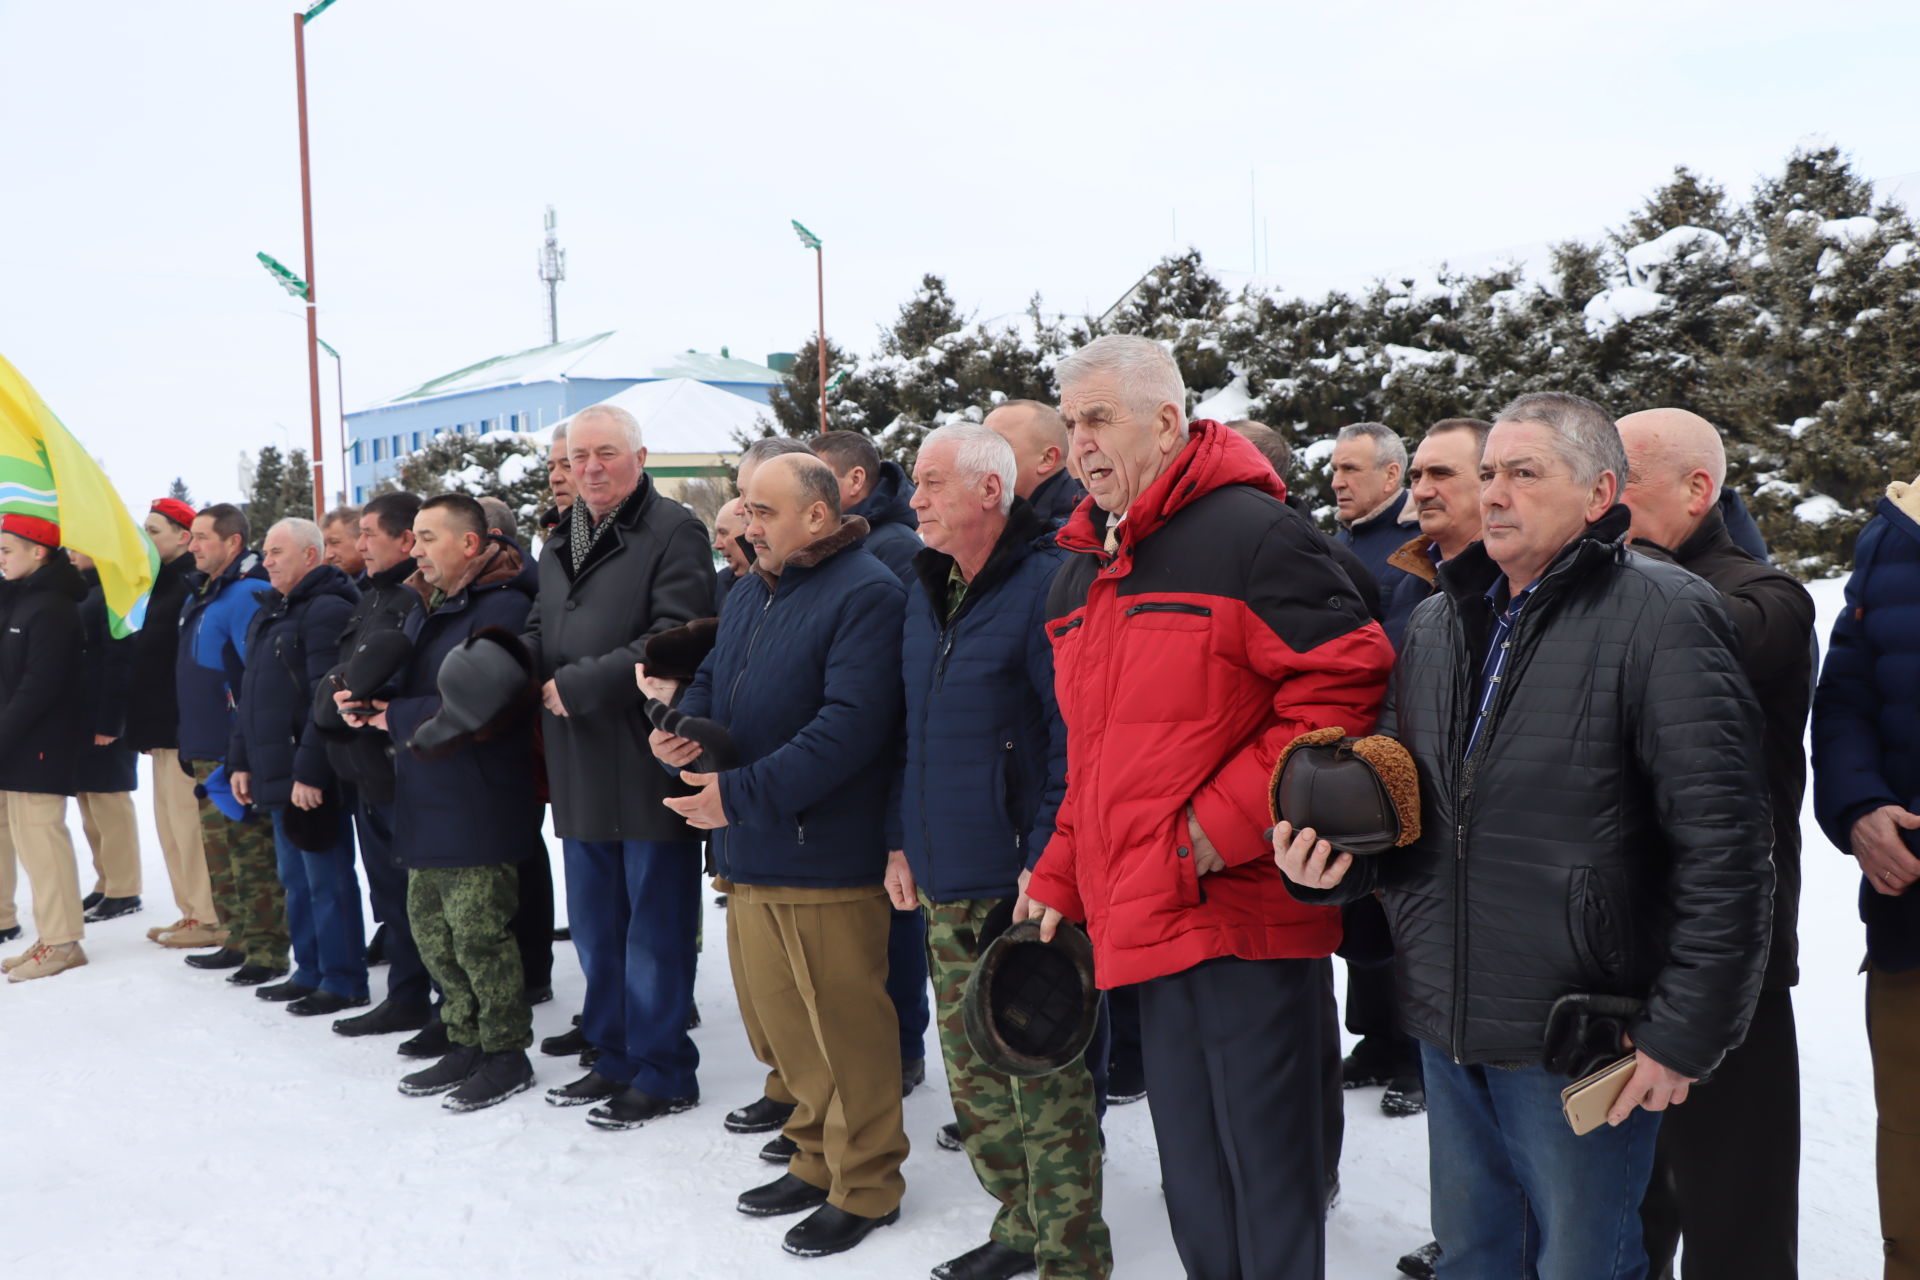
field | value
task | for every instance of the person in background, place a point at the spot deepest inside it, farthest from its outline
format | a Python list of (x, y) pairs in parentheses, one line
[(1038, 436), (153, 728), (1369, 462), (340, 538), (108, 773), (559, 481), (729, 533)]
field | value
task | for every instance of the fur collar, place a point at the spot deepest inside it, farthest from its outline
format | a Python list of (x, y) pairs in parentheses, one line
[(817, 552)]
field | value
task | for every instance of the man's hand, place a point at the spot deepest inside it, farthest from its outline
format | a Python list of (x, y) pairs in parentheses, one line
[(1884, 858), (1027, 907), (655, 687), (702, 809), (669, 749), (241, 784), (306, 797), (104, 739), (1306, 859), (550, 698), (899, 881), (1206, 858), (359, 720), (1651, 1086)]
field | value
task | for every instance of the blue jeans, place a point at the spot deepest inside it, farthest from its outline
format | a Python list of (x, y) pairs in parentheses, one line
[(1516, 1193), (323, 913), (907, 981), (633, 906)]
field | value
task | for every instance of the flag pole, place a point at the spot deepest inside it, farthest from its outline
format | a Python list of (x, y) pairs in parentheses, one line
[(820, 266), (306, 226)]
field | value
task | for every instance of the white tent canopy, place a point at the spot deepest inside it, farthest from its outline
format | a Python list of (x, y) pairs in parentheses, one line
[(680, 415)]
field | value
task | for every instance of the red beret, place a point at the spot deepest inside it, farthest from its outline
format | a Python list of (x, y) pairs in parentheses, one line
[(32, 528), (175, 510)]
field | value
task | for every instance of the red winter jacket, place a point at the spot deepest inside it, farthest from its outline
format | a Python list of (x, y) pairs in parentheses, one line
[(1219, 631)]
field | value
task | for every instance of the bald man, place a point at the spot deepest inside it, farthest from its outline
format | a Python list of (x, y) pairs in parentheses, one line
[(729, 536), (1727, 1168), (1038, 435)]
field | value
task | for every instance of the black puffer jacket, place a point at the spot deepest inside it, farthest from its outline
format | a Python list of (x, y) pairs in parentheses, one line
[(41, 713), (292, 642), (153, 704), (1610, 833), (108, 667), (1774, 616), (363, 757)]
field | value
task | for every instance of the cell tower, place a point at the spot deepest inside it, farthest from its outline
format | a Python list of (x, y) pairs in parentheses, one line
[(553, 269)]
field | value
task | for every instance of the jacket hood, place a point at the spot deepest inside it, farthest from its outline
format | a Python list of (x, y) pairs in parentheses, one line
[(1214, 458), (888, 503), (817, 552)]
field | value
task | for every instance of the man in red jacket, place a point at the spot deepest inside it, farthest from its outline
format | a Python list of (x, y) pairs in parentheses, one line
[(1199, 626)]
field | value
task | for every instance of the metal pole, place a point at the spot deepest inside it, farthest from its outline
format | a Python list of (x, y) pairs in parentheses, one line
[(306, 226), (820, 262), (340, 397)]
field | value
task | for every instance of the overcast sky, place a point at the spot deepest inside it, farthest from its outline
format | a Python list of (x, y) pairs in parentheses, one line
[(148, 150)]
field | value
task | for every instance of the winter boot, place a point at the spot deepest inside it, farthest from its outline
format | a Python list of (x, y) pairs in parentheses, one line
[(831, 1229), (47, 959), (112, 909), (10, 933), (763, 1115), (948, 1137), (495, 1078), (224, 958), (385, 1018), (566, 1044), (443, 1076), (781, 1150), (991, 1261), (632, 1108), (590, 1088), (432, 1042), (1420, 1263)]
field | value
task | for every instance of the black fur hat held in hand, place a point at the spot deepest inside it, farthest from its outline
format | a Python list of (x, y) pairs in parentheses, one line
[(1030, 1006)]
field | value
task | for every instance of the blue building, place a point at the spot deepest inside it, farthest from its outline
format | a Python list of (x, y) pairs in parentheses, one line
[(529, 391)]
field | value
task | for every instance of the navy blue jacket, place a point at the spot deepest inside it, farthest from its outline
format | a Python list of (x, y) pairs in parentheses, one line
[(1866, 752), (1055, 498), (1376, 538), (805, 674), (292, 642), (108, 667), (986, 758), (42, 680), (212, 652), (475, 806), (893, 530)]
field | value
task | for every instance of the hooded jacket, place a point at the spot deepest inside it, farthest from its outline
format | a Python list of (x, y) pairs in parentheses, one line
[(292, 642), (476, 806), (1610, 832), (893, 530), (108, 667), (213, 652), (386, 602), (986, 752), (153, 704), (42, 705), (1218, 631), (805, 674)]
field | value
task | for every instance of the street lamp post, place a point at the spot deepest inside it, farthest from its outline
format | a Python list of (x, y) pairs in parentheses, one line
[(340, 401), (300, 21), (812, 242)]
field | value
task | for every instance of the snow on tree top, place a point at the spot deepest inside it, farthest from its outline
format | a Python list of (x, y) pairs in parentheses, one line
[(1849, 233), (1612, 306), (1647, 263)]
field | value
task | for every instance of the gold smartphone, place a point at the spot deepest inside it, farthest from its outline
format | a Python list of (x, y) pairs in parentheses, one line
[(1586, 1102)]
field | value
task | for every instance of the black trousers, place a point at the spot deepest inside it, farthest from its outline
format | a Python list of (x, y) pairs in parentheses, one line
[(1726, 1172), (1333, 1102), (532, 924), (1235, 1076), (407, 981)]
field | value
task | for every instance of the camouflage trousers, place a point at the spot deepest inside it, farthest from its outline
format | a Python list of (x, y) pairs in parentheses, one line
[(1034, 1143), (243, 867), (459, 919)]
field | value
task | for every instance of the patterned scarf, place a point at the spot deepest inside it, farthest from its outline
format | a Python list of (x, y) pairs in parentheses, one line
[(583, 534)]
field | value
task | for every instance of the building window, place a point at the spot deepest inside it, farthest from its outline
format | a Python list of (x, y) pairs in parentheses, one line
[(359, 493), (416, 440), (376, 449), (396, 446), (356, 453)]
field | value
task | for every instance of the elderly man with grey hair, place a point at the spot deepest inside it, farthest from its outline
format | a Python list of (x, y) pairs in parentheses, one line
[(1198, 626), (624, 563), (1369, 469), (559, 481), (291, 645), (1590, 886)]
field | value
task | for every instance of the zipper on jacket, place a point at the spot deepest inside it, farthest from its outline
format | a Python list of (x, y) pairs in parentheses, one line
[(747, 657), (1170, 606), (1061, 631)]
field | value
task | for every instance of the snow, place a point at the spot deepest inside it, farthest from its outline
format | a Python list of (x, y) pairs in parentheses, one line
[(1229, 404), (241, 1142), (1898, 256), (1849, 233), (1648, 263), (1819, 509), (1627, 303), (1318, 454), (515, 468)]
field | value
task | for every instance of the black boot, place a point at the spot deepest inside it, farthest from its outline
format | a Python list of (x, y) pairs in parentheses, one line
[(631, 1108), (991, 1261), (1125, 1083), (829, 1229), (92, 900), (495, 1078), (253, 975), (591, 1087), (913, 1073), (1375, 1060), (112, 909), (281, 992), (385, 1018), (432, 1042), (377, 947), (443, 1076), (948, 1138), (785, 1194), (566, 1044), (1406, 1096), (781, 1150), (10, 934), (538, 995), (1419, 1263), (763, 1116), (323, 1002), (224, 958)]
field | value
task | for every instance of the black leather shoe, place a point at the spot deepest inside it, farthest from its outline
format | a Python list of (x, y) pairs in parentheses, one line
[(377, 947), (92, 900), (384, 1019), (495, 1078), (912, 1074), (1406, 1096), (763, 1116), (283, 992), (781, 1150), (112, 909), (443, 1076), (785, 1194), (432, 1042), (948, 1139), (590, 1087), (539, 995), (832, 1230), (224, 958), (563, 934), (253, 975), (631, 1108), (323, 1002), (566, 1044), (1420, 1263), (10, 934), (991, 1261)]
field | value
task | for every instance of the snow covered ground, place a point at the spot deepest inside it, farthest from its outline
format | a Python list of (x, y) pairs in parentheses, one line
[(159, 1123)]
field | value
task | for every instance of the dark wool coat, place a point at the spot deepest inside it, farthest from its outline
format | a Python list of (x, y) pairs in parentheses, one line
[(42, 705), (108, 667)]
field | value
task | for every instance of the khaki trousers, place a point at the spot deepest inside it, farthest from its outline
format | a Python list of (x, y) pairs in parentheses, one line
[(176, 815), (1893, 1032), (38, 825), (9, 879), (811, 978), (107, 818)]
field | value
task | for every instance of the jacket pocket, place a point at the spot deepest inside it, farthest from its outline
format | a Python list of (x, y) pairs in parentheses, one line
[(1165, 662), (1597, 923)]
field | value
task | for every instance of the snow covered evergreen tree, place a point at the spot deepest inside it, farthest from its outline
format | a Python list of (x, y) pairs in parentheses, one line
[(501, 464)]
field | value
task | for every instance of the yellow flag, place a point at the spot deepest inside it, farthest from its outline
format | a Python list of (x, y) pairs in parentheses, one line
[(44, 472)]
